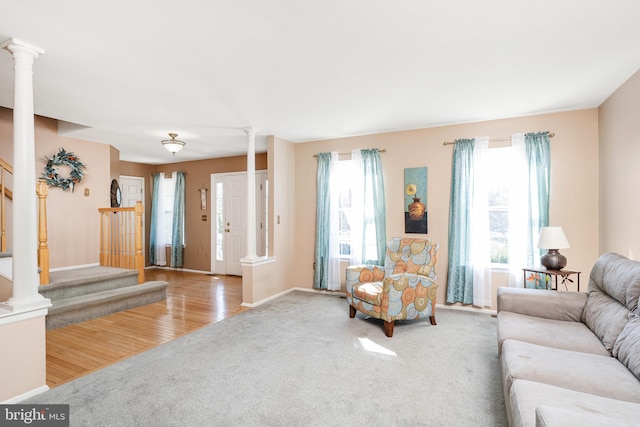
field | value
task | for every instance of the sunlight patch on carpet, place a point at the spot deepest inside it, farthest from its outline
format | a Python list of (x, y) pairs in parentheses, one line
[(372, 347)]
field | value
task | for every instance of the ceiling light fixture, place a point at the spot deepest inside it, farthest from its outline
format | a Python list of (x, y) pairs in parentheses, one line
[(173, 145)]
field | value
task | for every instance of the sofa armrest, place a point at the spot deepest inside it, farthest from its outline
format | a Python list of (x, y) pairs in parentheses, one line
[(363, 273), (549, 416), (556, 305), (421, 286)]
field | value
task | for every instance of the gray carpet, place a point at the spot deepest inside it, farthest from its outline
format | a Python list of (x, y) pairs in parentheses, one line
[(300, 361)]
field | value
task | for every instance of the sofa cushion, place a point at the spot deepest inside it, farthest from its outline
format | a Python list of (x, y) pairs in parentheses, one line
[(627, 348), (589, 373), (614, 289), (561, 334), (557, 305), (550, 416), (369, 292), (525, 396), (605, 316), (617, 276)]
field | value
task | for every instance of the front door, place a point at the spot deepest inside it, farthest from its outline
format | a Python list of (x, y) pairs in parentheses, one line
[(228, 232), (229, 223)]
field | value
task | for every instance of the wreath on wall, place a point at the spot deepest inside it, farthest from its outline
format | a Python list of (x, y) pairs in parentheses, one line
[(63, 158)]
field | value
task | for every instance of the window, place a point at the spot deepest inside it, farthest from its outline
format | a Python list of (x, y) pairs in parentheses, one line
[(513, 205), (355, 212), (342, 220), (166, 208), (340, 183), (498, 173), (219, 221)]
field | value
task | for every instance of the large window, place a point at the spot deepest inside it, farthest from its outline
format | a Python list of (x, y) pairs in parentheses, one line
[(343, 185), (498, 175), (350, 216), (167, 190), (355, 212)]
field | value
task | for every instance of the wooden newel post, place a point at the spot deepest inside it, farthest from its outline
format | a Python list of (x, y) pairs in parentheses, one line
[(43, 250), (139, 257)]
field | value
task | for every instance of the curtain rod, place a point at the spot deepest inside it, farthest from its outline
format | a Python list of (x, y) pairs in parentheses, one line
[(551, 135), (384, 150)]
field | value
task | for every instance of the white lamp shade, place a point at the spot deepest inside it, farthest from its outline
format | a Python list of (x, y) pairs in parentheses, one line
[(173, 145), (552, 238)]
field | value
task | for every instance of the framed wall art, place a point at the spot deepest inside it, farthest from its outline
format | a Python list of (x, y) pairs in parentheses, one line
[(415, 200)]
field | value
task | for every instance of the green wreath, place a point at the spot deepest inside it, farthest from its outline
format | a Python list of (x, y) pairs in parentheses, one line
[(63, 158)]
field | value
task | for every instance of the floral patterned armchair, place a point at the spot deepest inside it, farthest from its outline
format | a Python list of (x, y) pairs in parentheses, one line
[(405, 288)]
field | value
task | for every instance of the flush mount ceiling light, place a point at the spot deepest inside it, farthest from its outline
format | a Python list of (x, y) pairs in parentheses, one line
[(173, 145)]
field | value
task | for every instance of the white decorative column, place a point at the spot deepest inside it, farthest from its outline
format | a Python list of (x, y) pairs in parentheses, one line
[(251, 193), (25, 218)]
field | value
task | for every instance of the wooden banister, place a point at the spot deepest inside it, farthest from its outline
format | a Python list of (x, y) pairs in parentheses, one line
[(42, 191), (121, 238), (4, 193)]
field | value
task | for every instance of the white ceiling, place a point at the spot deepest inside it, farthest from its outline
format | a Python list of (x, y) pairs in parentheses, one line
[(127, 72)]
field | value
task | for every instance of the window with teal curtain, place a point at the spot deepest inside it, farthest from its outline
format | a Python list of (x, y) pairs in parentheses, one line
[(538, 156), (153, 233), (323, 229), (177, 227), (364, 222), (527, 207), (537, 150), (460, 271), (374, 233)]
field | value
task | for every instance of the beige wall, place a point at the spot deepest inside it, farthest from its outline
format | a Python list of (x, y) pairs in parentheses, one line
[(574, 181), (22, 361), (619, 157), (68, 213), (74, 213), (270, 277)]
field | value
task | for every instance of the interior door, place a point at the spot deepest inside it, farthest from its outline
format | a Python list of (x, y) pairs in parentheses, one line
[(132, 189)]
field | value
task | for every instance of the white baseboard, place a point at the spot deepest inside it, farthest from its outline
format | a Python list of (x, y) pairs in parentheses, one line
[(159, 267), (465, 308), (272, 297), (342, 294), (27, 395)]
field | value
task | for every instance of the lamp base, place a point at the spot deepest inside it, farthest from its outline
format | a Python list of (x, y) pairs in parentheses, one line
[(553, 260)]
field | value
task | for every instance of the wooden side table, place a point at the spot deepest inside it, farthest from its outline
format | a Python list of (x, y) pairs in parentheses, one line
[(563, 274)]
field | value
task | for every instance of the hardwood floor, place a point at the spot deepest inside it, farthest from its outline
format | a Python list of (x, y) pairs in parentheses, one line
[(193, 300)]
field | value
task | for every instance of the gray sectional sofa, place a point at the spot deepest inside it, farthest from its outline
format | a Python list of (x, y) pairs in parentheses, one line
[(573, 358)]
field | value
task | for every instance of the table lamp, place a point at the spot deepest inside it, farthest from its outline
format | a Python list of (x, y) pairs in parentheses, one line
[(552, 239)]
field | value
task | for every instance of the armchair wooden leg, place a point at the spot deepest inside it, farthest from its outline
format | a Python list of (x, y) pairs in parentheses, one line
[(388, 328), (432, 319), (352, 311)]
